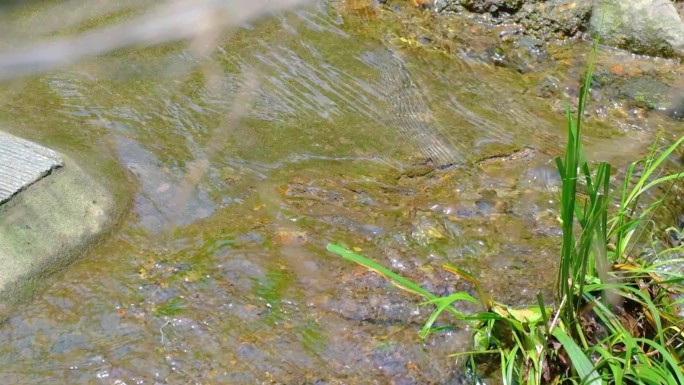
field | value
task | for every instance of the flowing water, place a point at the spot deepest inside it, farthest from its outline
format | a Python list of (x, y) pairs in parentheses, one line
[(241, 160)]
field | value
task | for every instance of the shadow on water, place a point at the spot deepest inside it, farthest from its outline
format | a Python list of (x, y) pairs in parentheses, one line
[(247, 157)]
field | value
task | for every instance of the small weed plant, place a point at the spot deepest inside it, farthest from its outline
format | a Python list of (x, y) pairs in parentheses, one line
[(614, 319)]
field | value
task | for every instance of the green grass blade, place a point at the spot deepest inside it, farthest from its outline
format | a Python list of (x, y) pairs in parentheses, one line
[(656, 164), (582, 364), (442, 304), (666, 357), (613, 362), (660, 180), (544, 314), (652, 375), (395, 278), (508, 364), (651, 165), (486, 300)]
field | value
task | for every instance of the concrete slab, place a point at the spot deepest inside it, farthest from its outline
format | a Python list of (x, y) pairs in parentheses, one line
[(49, 219), (23, 163)]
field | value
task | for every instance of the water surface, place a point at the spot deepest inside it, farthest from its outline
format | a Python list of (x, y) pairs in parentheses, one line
[(371, 129)]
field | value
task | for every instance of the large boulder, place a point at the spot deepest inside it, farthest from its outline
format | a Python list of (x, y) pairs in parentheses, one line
[(650, 27)]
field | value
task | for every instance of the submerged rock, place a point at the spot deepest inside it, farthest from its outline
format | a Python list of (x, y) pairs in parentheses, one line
[(549, 87), (650, 27), (522, 55), (676, 111), (645, 92)]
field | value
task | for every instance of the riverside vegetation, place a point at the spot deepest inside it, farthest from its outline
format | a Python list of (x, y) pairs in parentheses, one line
[(614, 318)]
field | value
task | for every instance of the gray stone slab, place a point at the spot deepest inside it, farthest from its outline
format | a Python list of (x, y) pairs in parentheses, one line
[(50, 222), (23, 163)]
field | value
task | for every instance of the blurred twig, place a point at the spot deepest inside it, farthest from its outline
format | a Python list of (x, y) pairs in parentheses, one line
[(170, 21)]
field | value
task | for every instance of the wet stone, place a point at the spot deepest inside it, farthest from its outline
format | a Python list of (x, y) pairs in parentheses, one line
[(548, 87), (241, 273), (155, 293), (676, 112), (68, 342), (427, 231)]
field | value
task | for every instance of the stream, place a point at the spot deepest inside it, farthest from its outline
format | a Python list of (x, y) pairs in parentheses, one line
[(392, 131)]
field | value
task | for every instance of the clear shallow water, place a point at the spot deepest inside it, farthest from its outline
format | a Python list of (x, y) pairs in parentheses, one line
[(242, 164)]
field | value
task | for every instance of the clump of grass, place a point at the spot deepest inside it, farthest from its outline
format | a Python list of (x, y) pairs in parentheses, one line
[(614, 318)]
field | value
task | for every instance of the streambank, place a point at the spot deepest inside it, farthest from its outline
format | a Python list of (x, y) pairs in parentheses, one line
[(649, 27)]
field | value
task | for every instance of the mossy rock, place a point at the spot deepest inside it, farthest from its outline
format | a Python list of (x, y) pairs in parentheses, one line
[(649, 27), (646, 92)]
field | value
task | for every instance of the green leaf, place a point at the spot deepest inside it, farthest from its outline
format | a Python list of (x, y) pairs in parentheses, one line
[(666, 358), (395, 278), (614, 363), (442, 304), (508, 363), (580, 362)]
